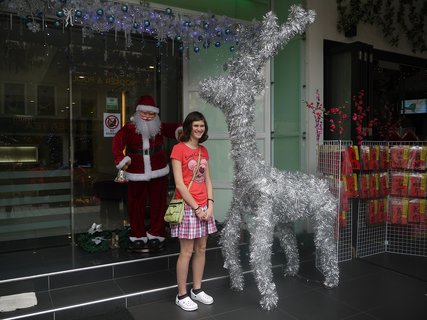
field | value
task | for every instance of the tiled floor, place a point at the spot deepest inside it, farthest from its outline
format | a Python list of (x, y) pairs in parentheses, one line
[(369, 289), (380, 287)]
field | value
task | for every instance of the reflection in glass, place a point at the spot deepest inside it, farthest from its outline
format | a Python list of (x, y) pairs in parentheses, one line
[(55, 90)]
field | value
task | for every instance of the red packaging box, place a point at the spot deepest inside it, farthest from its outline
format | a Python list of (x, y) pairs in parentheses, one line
[(417, 185), (382, 210), (374, 158), (374, 185), (417, 158), (364, 186), (384, 158), (414, 211), (384, 187), (399, 210), (353, 153), (365, 157), (399, 184), (373, 211), (399, 157), (350, 185), (346, 166)]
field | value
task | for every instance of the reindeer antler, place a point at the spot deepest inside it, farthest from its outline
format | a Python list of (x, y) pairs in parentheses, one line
[(259, 42)]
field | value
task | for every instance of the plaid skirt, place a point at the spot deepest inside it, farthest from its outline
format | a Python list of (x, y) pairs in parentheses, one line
[(191, 226)]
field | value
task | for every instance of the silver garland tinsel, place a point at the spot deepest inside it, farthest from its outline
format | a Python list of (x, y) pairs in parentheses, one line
[(267, 199)]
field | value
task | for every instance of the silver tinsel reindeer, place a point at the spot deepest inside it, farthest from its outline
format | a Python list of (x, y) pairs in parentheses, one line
[(267, 199)]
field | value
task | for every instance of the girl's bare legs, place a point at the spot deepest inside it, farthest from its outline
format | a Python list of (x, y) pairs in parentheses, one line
[(198, 263), (182, 265)]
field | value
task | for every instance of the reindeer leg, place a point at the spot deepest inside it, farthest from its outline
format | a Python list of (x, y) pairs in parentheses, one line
[(324, 239), (288, 242), (229, 240), (261, 243)]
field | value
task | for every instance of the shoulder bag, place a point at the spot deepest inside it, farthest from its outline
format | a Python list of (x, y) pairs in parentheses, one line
[(175, 211)]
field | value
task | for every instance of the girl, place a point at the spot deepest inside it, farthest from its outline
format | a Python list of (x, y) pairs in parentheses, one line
[(190, 159)]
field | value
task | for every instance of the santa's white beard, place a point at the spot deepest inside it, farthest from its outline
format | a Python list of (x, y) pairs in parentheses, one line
[(147, 128)]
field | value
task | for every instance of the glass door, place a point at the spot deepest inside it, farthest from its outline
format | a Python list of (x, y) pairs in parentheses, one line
[(60, 94)]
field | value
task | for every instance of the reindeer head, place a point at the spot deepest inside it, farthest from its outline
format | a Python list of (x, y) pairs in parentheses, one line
[(235, 93)]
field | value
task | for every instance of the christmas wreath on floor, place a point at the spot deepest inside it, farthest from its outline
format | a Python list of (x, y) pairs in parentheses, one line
[(97, 240)]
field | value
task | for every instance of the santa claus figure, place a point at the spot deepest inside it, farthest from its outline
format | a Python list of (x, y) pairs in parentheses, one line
[(146, 170)]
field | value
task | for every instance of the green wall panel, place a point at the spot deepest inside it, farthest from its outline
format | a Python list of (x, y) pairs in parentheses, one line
[(287, 105), (222, 203), (284, 157)]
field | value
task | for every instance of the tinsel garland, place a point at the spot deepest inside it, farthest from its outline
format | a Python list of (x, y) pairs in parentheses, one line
[(100, 16), (267, 199)]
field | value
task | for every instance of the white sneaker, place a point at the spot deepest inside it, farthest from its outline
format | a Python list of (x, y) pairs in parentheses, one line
[(186, 304), (202, 297)]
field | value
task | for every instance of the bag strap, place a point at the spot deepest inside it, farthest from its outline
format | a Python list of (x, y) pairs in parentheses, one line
[(195, 171)]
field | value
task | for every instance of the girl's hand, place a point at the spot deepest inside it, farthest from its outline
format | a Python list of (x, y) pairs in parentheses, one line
[(199, 213), (207, 214)]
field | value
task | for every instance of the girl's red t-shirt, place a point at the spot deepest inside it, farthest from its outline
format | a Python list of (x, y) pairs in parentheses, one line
[(188, 158)]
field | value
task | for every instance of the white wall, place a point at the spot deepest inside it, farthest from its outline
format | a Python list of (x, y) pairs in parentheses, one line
[(325, 28)]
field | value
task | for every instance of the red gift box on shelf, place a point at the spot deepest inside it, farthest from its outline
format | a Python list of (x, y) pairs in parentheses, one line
[(414, 211), (374, 158), (399, 183), (417, 158), (364, 186), (346, 163), (384, 158), (373, 211), (350, 185), (384, 184), (399, 157), (398, 210), (374, 185), (382, 210), (353, 154), (370, 157), (417, 185), (377, 211), (365, 157)]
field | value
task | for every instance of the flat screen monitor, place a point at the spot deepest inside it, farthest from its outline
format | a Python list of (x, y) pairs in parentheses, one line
[(414, 106)]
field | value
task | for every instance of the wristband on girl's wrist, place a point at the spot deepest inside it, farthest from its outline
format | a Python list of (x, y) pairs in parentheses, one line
[(196, 209), (209, 199)]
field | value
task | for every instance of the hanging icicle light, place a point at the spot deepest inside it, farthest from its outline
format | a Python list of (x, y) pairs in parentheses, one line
[(103, 16)]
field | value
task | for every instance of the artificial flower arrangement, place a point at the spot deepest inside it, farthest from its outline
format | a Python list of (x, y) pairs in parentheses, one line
[(335, 117)]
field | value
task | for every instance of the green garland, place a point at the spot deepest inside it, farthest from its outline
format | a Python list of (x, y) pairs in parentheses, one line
[(394, 18), (87, 241)]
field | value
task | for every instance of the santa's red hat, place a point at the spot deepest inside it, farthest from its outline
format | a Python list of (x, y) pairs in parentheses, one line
[(146, 103)]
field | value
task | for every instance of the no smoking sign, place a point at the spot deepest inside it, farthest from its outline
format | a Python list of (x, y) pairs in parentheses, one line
[(111, 124)]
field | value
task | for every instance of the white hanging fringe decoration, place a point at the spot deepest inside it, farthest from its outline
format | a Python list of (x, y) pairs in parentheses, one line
[(68, 16)]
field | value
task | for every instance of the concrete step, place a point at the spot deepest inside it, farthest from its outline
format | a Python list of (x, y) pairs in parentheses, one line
[(80, 292)]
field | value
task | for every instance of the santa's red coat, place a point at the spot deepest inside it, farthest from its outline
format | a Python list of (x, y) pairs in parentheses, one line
[(148, 159)]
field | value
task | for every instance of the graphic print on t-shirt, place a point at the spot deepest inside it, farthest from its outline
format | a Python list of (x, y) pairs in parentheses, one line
[(200, 175)]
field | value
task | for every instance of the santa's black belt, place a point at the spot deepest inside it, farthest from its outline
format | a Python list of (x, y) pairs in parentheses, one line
[(145, 152)]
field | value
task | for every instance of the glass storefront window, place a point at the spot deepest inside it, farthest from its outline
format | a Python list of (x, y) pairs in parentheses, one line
[(56, 87)]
